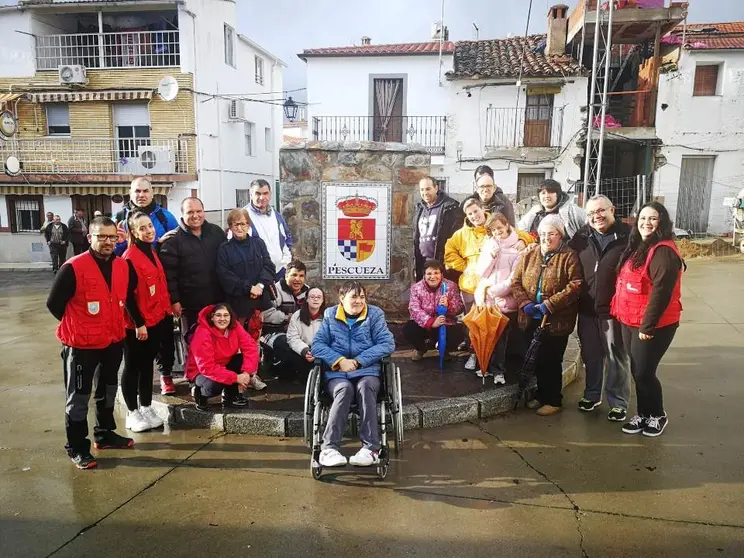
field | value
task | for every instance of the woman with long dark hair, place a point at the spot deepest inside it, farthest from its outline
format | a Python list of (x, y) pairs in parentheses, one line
[(647, 305), (303, 325)]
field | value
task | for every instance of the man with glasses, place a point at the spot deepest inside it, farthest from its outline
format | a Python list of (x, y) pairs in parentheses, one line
[(89, 297), (600, 245), (491, 196)]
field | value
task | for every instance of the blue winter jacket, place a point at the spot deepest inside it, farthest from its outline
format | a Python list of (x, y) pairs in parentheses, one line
[(368, 340), (157, 216)]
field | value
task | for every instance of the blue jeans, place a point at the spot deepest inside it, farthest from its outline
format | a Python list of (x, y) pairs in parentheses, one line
[(364, 389)]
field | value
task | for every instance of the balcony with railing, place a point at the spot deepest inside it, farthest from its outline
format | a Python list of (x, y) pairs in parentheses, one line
[(513, 128), (428, 131), (631, 109), (100, 156), (136, 49)]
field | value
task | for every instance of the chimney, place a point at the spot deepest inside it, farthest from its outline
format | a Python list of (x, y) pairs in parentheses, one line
[(366, 41), (436, 31), (557, 30)]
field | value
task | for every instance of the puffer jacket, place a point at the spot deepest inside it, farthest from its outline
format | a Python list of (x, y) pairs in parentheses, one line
[(424, 301), (561, 286), (300, 335), (190, 264), (368, 340), (210, 351), (494, 287), (499, 203), (461, 254), (242, 264), (573, 216)]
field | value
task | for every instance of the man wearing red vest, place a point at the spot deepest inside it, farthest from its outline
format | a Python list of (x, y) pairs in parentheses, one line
[(90, 295)]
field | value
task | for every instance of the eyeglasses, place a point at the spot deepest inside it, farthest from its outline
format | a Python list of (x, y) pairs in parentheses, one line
[(487, 187), (550, 235), (240, 225), (315, 297), (106, 237), (597, 212)]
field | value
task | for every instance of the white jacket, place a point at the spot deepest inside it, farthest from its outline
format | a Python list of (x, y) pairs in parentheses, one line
[(299, 335), (573, 216)]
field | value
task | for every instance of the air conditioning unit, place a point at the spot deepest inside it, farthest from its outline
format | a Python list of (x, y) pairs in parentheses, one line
[(155, 160), (72, 74), (236, 110)]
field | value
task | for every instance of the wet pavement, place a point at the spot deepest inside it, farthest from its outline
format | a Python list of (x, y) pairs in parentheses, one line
[(569, 485)]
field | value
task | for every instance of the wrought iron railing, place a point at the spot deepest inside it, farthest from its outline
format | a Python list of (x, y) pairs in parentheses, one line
[(138, 49), (99, 156), (428, 131), (523, 127)]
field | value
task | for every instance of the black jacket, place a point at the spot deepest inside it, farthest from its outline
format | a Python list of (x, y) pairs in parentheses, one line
[(65, 233), (599, 268), (499, 203), (450, 219), (242, 264), (190, 264)]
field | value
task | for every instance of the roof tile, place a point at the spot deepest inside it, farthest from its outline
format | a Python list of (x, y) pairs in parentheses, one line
[(395, 49), (712, 36)]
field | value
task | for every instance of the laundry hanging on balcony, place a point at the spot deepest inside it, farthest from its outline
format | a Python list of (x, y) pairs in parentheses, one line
[(79, 96)]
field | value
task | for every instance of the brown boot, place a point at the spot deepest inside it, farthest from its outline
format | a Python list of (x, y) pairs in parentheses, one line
[(547, 410), (417, 356)]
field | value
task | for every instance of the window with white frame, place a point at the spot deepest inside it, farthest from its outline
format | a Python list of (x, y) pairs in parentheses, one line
[(242, 198), (267, 138), (249, 128), (229, 46), (441, 183), (58, 119), (25, 213), (259, 70)]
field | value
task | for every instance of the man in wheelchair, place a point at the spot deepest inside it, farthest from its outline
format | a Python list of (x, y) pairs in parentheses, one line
[(351, 342)]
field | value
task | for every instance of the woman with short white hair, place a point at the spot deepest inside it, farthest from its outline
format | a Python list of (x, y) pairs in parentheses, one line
[(547, 282)]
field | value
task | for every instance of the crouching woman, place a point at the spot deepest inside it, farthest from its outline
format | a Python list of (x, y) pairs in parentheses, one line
[(351, 342), (223, 358)]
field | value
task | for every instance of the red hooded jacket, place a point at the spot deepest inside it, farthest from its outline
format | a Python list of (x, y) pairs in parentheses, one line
[(211, 350)]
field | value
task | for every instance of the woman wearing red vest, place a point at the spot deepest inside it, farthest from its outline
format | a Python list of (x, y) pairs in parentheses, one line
[(647, 305), (143, 339)]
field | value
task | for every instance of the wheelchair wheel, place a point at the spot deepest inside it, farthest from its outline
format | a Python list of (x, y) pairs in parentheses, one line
[(382, 470), (396, 407), (309, 407), (317, 472)]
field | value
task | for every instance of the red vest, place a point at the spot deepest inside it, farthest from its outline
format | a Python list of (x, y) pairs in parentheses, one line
[(152, 290), (94, 316), (633, 291)]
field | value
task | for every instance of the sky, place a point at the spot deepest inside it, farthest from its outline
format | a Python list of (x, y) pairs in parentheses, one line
[(286, 27)]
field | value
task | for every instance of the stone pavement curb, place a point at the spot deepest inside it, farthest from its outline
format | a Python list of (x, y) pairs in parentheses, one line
[(431, 414)]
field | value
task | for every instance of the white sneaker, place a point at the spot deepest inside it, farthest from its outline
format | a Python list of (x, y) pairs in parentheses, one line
[(136, 422), (332, 458), (257, 383), (472, 363), (364, 458), (480, 373), (499, 379), (151, 416)]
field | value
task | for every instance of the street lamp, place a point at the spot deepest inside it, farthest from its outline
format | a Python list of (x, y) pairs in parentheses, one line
[(290, 109)]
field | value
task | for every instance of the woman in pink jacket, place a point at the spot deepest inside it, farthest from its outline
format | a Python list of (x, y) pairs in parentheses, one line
[(496, 264), (223, 358), (426, 296)]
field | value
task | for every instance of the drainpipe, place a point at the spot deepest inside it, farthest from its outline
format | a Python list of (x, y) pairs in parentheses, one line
[(101, 50), (197, 147), (273, 141), (218, 100)]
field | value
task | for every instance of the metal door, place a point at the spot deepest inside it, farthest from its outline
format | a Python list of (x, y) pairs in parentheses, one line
[(695, 189)]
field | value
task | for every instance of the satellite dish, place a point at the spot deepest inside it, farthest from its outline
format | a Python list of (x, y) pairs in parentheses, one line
[(168, 88), (12, 166)]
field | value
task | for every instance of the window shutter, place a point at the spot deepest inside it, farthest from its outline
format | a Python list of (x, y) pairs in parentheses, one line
[(706, 81), (58, 115)]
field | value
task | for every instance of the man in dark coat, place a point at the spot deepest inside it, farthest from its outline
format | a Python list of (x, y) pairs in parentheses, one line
[(189, 257), (57, 237), (493, 198), (437, 217), (78, 232), (600, 245)]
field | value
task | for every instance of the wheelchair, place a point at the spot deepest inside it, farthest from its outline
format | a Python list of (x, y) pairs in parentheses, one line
[(389, 412)]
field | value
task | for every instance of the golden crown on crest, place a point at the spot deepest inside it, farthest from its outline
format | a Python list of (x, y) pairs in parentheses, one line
[(356, 206)]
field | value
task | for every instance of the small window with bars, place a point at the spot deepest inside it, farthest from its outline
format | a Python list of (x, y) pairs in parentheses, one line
[(259, 70), (242, 198), (441, 184), (25, 213), (706, 80)]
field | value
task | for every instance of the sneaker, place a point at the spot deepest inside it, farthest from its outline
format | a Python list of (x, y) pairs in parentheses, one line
[(364, 458), (151, 416), (472, 363), (111, 440), (257, 383), (332, 458), (636, 425), (534, 404), (166, 385), (417, 356), (587, 405), (655, 426), (617, 414), (464, 346), (480, 373), (548, 410), (202, 403), (234, 401), (83, 460), (136, 422), (499, 379)]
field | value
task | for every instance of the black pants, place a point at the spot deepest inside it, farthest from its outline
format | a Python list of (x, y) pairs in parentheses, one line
[(80, 367), (497, 364), (645, 357), (210, 388), (418, 336), (166, 353), (58, 252), (550, 370), (285, 361), (79, 248), (139, 357)]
